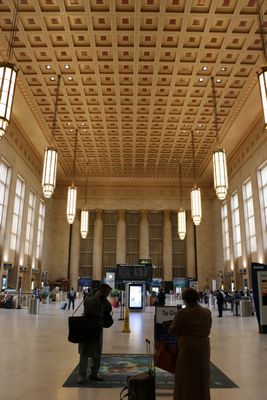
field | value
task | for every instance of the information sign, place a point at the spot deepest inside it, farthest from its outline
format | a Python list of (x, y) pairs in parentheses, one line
[(134, 272)]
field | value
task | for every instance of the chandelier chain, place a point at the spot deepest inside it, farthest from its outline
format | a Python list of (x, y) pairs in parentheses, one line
[(215, 109), (56, 105), (13, 31)]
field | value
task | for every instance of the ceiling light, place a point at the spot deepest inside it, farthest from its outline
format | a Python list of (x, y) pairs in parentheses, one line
[(223, 69), (220, 176), (262, 74), (205, 68), (199, 125), (70, 78), (72, 190), (50, 159), (48, 66), (84, 227), (68, 123), (66, 66), (52, 78), (84, 223), (218, 80), (8, 77), (201, 80), (181, 216), (196, 211)]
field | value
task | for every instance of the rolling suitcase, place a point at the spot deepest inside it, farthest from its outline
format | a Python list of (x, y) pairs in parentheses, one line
[(141, 386)]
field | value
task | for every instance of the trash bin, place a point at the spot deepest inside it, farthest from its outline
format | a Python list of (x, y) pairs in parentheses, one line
[(34, 305), (245, 308)]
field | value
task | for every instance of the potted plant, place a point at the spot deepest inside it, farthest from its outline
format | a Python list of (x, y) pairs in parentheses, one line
[(44, 295), (114, 298)]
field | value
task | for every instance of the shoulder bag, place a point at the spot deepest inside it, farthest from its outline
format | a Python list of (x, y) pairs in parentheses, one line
[(83, 329)]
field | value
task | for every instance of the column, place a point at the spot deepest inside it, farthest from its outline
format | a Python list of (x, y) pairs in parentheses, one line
[(167, 246), (121, 238), (144, 235), (98, 240), (75, 254), (190, 249)]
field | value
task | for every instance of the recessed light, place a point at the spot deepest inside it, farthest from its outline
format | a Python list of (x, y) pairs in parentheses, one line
[(66, 66), (71, 130), (48, 66), (68, 123), (184, 131), (201, 79), (218, 80), (70, 78), (52, 78), (197, 131), (199, 125), (204, 68), (223, 69), (85, 130), (82, 123)]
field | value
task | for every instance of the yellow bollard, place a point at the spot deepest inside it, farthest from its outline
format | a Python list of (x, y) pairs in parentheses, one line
[(126, 325)]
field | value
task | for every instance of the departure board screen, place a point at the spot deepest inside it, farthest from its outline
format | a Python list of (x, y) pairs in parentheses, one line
[(134, 272)]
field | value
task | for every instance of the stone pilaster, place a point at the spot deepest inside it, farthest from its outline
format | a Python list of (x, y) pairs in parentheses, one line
[(121, 238), (98, 243), (144, 235), (75, 253), (167, 246)]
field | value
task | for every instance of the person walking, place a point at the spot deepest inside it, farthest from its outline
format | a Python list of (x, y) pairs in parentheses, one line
[(71, 297), (192, 327), (95, 308)]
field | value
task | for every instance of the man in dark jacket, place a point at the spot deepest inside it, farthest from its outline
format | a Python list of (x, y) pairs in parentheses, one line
[(220, 301), (94, 308)]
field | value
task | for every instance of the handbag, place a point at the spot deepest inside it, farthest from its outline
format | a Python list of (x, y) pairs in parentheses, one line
[(83, 329), (165, 356), (107, 319)]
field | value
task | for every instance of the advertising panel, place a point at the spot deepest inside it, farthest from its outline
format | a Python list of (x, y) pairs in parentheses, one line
[(135, 299), (259, 286)]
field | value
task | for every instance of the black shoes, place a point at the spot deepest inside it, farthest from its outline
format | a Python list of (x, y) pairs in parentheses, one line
[(96, 378)]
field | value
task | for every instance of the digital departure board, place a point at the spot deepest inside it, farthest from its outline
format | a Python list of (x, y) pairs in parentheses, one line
[(134, 272)]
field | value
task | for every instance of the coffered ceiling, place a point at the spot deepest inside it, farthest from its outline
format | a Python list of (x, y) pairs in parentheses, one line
[(136, 79)]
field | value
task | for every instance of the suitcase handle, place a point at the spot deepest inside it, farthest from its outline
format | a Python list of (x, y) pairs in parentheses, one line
[(122, 396), (151, 365)]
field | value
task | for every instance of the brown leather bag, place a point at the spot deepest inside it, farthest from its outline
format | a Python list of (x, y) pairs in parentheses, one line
[(165, 356)]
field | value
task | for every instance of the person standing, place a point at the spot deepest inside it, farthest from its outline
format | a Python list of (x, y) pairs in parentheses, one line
[(95, 307), (192, 327), (220, 302), (71, 297), (161, 298)]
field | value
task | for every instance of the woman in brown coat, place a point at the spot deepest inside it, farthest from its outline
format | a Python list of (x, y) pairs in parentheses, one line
[(192, 326)]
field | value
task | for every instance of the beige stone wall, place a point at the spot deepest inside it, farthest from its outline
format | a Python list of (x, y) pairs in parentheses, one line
[(132, 198), (16, 151)]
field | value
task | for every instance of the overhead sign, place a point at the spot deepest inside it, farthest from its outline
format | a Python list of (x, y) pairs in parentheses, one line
[(23, 269), (8, 265), (136, 272)]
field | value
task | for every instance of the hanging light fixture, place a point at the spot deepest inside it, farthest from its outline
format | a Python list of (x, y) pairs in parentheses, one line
[(72, 190), (262, 74), (85, 213), (181, 216), (50, 158), (8, 77), (196, 211), (220, 176)]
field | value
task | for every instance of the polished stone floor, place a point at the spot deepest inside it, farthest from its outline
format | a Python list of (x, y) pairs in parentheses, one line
[(36, 357)]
